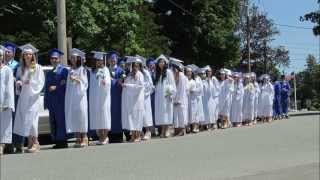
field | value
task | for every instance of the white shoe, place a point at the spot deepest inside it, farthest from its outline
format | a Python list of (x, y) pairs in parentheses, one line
[(106, 141), (147, 136)]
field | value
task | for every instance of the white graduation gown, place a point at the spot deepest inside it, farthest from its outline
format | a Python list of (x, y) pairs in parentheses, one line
[(76, 102), (148, 90), (132, 102), (225, 97), (237, 102), (208, 102), (164, 94), (266, 100), (27, 113), (215, 97), (180, 113), (256, 98), (196, 114), (100, 99), (248, 102), (6, 102)]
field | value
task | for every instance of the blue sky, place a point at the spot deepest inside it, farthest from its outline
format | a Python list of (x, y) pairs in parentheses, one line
[(300, 42)]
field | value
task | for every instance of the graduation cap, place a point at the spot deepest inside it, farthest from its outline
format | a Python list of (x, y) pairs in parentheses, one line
[(133, 59), (265, 76), (28, 48), (222, 71), (201, 70), (143, 59), (10, 46), (207, 68), (99, 56), (172, 59), (78, 53), (114, 55), (193, 68), (151, 61), (228, 72), (177, 64), (253, 74), (237, 74), (2, 50), (163, 57), (122, 62), (55, 53), (247, 75)]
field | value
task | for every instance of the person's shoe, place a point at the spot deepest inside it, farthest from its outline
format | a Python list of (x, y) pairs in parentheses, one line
[(60, 145), (147, 136), (19, 149), (8, 149), (104, 142), (34, 148)]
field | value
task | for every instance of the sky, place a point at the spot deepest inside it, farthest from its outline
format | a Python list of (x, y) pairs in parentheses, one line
[(299, 41)]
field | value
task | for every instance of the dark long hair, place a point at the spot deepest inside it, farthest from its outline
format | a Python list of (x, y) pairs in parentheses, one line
[(159, 73)]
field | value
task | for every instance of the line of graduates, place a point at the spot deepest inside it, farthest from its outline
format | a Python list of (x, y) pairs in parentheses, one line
[(135, 98)]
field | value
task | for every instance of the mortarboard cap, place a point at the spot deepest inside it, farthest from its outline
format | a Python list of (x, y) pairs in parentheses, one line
[(98, 55), (162, 57), (78, 53), (55, 53), (28, 48), (10, 46)]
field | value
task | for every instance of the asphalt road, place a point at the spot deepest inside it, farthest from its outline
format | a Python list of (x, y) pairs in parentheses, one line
[(283, 150)]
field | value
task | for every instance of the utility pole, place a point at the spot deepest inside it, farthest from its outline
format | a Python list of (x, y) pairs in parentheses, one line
[(295, 91), (248, 35), (62, 35)]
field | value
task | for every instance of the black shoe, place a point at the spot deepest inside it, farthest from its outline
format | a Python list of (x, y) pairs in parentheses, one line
[(8, 149), (60, 145)]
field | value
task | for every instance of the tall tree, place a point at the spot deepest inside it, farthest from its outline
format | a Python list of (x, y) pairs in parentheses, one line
[(262, 31), (201, 32), (313, 17)]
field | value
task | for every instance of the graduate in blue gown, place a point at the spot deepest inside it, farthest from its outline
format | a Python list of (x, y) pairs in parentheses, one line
[(285, 92), (151, 67), (54, 99), (277, 100), (10, 54), (117, 76)]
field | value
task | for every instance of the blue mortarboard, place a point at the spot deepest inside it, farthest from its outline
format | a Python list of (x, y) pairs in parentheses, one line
[(122, 62), (78, 53), (28, 48), (151, 61), (55, 53), (10, 46), (97, 55), (114, 55)]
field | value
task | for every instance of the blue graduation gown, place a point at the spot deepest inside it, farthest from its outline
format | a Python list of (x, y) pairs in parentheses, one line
[(285, 90), (116, 91), (54, 102), (13, 64), (277, 99)]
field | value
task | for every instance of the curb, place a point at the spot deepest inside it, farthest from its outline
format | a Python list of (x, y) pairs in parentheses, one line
[(305, 114)]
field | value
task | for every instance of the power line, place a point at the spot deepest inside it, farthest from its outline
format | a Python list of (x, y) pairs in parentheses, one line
[(180, 7), (292, 26)]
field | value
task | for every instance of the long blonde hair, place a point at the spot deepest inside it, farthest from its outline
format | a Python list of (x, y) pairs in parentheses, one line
[(23, 63)]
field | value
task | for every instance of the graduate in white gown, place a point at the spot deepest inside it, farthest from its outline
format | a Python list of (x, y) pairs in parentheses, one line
[(6, 101), (148, 90), (248, 100), (76, 102), (256, 96), (266, 99), (164, 93), (180, 112), (195, 93), (29, 84), (132, 102), (225, 97), (237, 101), (215, 96), (207, 100), (99, 98)]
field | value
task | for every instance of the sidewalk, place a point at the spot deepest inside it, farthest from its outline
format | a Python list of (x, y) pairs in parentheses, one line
[(304, 113)]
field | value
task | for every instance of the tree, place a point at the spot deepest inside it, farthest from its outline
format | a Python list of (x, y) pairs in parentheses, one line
[(263, 56), (308, 83), (313, 17), (201, 32)]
